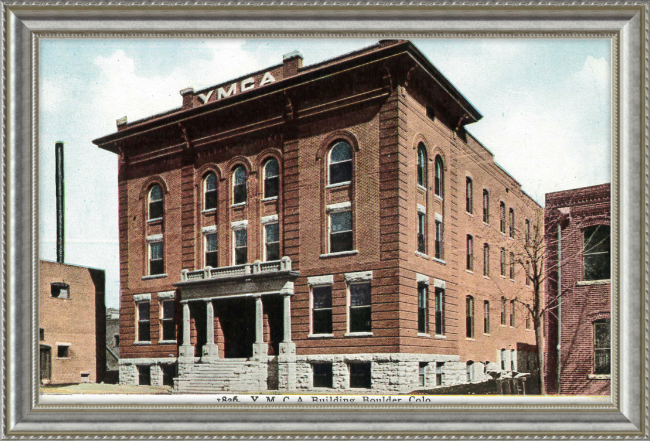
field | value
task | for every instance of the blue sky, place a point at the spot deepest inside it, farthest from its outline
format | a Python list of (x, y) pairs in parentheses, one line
[(546, 106)]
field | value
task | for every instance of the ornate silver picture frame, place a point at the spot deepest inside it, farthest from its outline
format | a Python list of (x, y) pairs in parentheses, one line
[(27, 415)]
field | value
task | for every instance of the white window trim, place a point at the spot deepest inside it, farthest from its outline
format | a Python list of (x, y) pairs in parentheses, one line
[(239, 225), (209, 230), (145, 299), (352, 279), (358, 277), (264, 242), (320, 280), (161, 313), (155, 238), (420, 278), (243, 226), (422, 209), (167, 295), (270, 219), (439, 217), (142, 297), (343, 206)]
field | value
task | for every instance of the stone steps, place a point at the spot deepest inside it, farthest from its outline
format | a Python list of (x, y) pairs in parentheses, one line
[(221, 376)]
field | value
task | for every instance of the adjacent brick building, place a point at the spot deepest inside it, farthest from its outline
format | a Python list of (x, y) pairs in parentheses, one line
[(577, 225), (322, 227), (72, 326)]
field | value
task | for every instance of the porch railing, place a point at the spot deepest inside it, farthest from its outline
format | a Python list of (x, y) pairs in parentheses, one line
[(256, 267)]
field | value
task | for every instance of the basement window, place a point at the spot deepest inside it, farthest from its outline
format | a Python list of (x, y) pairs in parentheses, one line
[(144, 375), (360, 375), (60, 290), (322, 375)]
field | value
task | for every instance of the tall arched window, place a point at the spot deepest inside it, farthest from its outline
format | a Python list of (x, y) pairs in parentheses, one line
[(439, 176), (156, 202), (470, 317), (239, 186), (340, 163), (210, 191), (469, 191), (422, 165), (271, 179)]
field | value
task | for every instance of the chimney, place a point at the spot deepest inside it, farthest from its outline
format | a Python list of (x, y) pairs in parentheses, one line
[(187, 94), (121, 123), (291, 63), (60, 203)]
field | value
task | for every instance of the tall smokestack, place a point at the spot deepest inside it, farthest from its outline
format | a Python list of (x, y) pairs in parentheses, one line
[(60, 204)]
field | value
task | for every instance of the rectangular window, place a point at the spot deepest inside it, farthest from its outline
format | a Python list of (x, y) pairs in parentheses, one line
[(512, 266), (486, 260), (116, 337), (421, 232), (527, 232), (512, 313), (503, 359), (360, 310), (41, 334), (597, 252), (60, 290), (422, 378), (470, 317), (440, 311), (439, 373), (63, 351), (503, 262), (602, 347), (468, 195), (512, 222), (144, 375), (486, 206), (486, 317), (241, 246), (360, 375), (340, 231), (156, 258), (322, 373), (272, 237), (144, 324), (167, 324), (502, 217), (422, 308), (528, 273), (438, 240), (212, 250), (322, 309), (470, 253), (169, 373), (503, 311)]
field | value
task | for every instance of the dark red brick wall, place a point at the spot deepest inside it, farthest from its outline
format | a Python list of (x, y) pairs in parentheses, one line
[(582, 304)]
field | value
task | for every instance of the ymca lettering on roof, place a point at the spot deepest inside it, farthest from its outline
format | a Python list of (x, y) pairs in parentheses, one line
[(220, 92)]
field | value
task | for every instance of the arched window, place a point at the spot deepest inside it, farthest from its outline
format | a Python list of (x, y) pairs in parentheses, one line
[(470, 317), (340, 163), (239, 186), (422, 165), (469, 190), (486, 206), (210, 191), (439, 176), (156, 202), (470, 253), (271, 179)]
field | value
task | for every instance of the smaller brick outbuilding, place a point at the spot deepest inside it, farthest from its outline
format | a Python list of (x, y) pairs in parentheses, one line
[(72, 324), (578, 260)]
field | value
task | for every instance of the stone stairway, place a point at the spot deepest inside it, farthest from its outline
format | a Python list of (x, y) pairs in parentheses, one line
[(224, 375)]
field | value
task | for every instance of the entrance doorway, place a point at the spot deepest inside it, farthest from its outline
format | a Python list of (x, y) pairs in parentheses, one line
[(46, 364), (237, 318)]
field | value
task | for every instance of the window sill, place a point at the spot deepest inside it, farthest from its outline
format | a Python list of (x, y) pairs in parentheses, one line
[(239, 205), (438, 197), (440, 336), (155, 276), (340, 253), (422, 334), (320, 336), (338, 184), (502, 276), (155, 220), (358, 334), (599, 377), (435, 259), (420, 187), (209, 210), (469, 214), (469, 271), (593, 282), (417, 253), (167, 342), (470, 339), (141, 343), (272, 198), (486, 224), (487, 334), (63, 358), (486, 277)]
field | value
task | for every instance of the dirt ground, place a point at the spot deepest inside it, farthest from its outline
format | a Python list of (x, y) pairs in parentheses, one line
[(93, 388)]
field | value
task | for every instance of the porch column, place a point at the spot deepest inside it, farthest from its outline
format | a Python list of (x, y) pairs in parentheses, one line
[(260, 349), (186, 351), (210, 350), (286, 324)]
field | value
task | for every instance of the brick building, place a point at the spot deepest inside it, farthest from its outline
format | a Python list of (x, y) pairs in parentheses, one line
[(72, 327), (322, 227), (578, 237)]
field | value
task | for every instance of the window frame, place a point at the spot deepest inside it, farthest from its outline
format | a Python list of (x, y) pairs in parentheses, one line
[(439, 174), (439, 242), (207, 193), (243, 228), (469, 317), (367, 384), (312, 318), (486, 206), (486, 260), (151, 260), (330, 233), (58, 287), (267, 243), (513, 305), (141, 322), (511, 221), (236, 196), (350, 308), (66, 350), (422, 166), (423, 308), (329, 377), (504, 312), (166, 320), (422, 232), (486, 317), (588, 253), (603, 321), (469, 195), (502, 217), (512, 266), (439, 294), (330, 163), (267, 179), (207, 253), (151, 202), (470, 253)]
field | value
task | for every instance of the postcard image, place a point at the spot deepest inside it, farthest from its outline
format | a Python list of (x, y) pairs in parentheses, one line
[(342, 219)]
